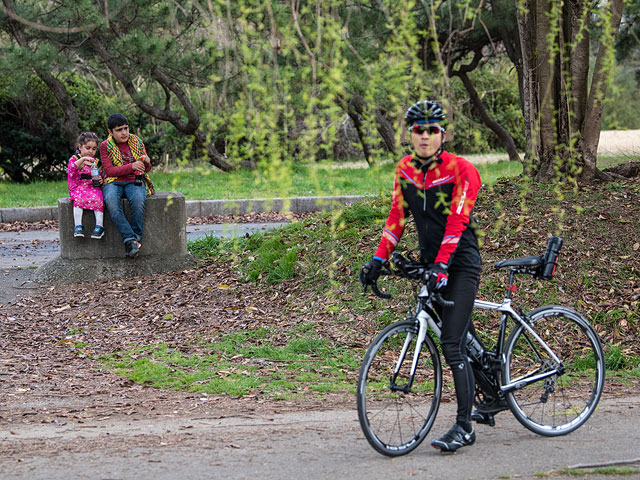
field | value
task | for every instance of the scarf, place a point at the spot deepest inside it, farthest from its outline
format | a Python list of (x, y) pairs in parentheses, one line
[(137, 150)]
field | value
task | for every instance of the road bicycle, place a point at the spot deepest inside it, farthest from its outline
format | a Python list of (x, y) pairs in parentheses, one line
[(549, 371)]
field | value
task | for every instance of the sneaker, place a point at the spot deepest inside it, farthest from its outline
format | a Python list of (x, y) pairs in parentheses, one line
[(98, 232), (78, 231), (454, 439), (132, 248)]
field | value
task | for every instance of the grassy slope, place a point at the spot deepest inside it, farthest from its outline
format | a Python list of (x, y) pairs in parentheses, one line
[(316, 262), (281, 314)]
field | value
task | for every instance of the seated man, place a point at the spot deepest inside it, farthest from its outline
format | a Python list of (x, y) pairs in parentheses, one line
[(124, 160)]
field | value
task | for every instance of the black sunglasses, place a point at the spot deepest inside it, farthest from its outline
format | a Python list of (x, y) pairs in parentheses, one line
[(432, 129)]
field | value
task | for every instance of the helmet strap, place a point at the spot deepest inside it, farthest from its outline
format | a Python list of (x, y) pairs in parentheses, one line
[(427, 161)]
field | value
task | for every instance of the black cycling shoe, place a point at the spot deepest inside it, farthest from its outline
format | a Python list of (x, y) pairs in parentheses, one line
[(485, 411), (454, 439)]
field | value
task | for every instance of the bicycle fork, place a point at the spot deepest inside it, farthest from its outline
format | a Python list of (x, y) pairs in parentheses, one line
[(422, 333)]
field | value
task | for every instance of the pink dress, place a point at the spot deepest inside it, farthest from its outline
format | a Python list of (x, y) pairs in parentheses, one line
[(83, 194)]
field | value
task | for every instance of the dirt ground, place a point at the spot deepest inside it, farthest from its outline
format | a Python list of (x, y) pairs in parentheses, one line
[(62, 415)]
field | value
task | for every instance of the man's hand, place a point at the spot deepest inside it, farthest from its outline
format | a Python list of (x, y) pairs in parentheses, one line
[(138, 166), (436, 277), (145, 159), (370, 272)]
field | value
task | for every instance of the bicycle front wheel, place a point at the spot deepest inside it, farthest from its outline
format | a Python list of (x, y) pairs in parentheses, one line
[(560, 403), (396, 412)]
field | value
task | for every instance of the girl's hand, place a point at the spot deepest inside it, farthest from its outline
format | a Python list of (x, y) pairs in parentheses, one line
[(80, 162)]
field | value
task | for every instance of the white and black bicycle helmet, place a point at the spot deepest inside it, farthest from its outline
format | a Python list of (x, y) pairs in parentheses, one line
[(424, 111)]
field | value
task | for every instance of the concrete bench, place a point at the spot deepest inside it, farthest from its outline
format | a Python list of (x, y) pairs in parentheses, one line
[(164, 244)]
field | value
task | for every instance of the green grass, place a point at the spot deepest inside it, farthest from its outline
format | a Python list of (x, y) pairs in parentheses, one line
[(283, 180), (240, 363), (612, 470), (287, 181)]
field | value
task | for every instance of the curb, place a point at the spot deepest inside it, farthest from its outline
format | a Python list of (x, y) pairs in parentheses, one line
[(204, 208)]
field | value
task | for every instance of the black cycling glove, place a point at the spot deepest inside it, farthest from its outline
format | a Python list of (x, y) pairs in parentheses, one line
[(436, 277), (370, 272)]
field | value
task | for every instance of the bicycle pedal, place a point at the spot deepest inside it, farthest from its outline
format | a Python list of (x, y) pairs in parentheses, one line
[(483, 418)]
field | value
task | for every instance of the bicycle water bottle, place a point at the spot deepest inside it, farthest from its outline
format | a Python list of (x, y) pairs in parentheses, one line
[(474, 348)]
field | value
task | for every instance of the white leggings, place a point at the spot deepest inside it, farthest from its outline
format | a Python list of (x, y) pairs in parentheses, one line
[(77, 216)]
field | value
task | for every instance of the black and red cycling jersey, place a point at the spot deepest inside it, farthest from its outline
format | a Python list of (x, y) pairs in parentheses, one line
[(441, 201)]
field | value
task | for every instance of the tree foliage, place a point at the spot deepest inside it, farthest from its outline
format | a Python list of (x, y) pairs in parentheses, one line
[(251, 82)]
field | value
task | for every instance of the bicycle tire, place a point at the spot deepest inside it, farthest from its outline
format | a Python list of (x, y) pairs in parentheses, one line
[(396, 422), (562, 403)]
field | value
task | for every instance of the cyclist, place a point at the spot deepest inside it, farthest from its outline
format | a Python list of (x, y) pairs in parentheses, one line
[(439, 190)]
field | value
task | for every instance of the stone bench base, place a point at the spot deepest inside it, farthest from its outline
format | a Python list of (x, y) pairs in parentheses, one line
[(164, 244)]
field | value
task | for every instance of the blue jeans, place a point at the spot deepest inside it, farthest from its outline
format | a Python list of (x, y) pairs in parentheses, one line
[(137, 196)]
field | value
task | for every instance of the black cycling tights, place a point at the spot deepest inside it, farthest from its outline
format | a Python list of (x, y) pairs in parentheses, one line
[(456, 321)]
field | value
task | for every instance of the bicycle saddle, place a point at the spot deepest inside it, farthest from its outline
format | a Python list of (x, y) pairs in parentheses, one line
[(531, 261)]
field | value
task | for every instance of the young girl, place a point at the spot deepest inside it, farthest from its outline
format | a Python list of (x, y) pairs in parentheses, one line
[(81, 186)]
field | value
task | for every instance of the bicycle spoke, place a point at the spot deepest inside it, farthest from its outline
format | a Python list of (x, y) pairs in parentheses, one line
[(560, 403), (395, 422)]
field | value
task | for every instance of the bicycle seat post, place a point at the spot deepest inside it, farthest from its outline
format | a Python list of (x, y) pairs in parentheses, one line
[(511, 284)]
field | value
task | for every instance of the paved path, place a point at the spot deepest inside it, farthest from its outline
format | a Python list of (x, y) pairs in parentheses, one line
[(32, 249), (21, 253), (306, 445)]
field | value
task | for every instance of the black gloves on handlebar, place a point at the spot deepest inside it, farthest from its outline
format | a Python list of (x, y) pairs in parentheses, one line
[(436, 277), (370, 272)]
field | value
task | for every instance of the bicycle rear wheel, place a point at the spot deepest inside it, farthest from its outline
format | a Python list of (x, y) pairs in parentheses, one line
[(561, 403), (395, 416)]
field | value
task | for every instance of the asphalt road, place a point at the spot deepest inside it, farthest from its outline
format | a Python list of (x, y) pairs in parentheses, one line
[(306, 445), (21, 253), (33, 248)]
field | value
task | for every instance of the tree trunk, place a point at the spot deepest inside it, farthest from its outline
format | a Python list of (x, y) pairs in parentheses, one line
[(526, 25), (355, 108), (546, 92), (593, 116), (386, 131), (502, 134), (357, 123), (579, 65), (555, 79)]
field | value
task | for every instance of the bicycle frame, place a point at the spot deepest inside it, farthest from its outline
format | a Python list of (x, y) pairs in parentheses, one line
[(427, 318)]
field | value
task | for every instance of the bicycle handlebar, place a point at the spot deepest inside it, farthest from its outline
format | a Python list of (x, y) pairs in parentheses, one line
[(406, 269), (374, 286), (438, 298)]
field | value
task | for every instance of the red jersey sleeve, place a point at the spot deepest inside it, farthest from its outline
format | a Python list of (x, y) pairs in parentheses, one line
[(465, 193), (395, 222)]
